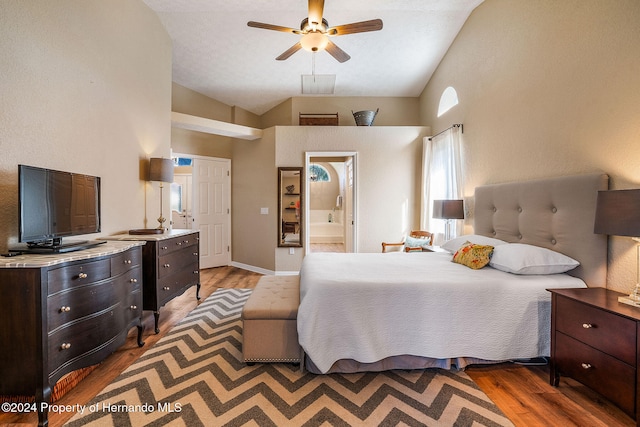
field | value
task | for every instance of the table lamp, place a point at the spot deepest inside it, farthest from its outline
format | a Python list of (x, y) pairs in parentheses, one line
[(448, 210), (618, 214), (161, 170)]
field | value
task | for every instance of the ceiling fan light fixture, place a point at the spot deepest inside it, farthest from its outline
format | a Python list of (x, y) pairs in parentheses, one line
[(314, 41)]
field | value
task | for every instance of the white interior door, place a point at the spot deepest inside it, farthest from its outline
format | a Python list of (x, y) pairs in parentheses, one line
[(348, 206), (212, 210)]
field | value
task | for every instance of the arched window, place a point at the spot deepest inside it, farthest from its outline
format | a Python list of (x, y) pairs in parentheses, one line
[(318, 173), (448, 100)]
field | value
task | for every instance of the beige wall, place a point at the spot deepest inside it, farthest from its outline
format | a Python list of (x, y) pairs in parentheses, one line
[(82, 94), (547, 88), (254, 186), (394, 111), (388, 171)]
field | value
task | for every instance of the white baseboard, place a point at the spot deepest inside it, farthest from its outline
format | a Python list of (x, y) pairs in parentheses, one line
[(253, 268), (263, 270)]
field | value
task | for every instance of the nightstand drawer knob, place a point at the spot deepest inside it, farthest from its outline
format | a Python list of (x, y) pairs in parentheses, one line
[(587, 325), (133, 280), (65, 346), (166, 265), (65, 309), (133, 307), (165, 288), (586, 366), (82, 275)]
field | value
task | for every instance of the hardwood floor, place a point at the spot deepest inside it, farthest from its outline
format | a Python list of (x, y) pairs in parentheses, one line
[(522, 393)]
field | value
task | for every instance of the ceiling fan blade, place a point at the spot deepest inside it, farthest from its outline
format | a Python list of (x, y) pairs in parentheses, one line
[(356, 27), (316, 8), (264, 26), (339, 54), (287, 53)]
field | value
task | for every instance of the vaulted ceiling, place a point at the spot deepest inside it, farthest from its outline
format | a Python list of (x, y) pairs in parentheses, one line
[(216, 54)]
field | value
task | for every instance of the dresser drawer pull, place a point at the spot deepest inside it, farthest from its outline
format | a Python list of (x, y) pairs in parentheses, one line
[(586, 366), (65, 346), (165, 288), (186, 242), (166, 265), (127, 261), (65, 309), (82, 276), (179, 243), (164, 248), (133, 307), (195, 272), (134, 280), (587, 325), (195, 254)]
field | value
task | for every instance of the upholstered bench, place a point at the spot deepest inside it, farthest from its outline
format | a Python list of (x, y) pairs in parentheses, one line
[(269, 325)]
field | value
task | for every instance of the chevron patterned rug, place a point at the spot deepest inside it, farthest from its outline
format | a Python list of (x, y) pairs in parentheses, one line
[(195, 376)]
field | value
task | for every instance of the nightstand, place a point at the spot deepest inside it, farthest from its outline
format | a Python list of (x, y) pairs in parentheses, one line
[(594, 340)]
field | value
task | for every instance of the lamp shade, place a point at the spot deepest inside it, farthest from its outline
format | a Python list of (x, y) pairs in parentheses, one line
[(618, 213), (448, 209), (160, 170)]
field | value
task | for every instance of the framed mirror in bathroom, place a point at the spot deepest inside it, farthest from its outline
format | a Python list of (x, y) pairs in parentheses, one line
[(290, 206)]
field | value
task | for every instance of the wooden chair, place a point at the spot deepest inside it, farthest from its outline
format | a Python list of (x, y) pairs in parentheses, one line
[(416, 234)]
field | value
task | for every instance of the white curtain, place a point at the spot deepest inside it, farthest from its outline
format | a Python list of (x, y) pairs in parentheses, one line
[(442, 178)]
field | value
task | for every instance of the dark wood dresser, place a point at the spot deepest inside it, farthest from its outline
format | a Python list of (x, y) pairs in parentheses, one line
[(171, 265), (594, 340), (65, 312)]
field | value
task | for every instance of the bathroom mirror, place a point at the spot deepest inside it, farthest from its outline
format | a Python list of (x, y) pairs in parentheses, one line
[(290, 208)]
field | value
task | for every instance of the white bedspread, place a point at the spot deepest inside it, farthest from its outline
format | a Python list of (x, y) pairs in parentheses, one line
[(370, 306)]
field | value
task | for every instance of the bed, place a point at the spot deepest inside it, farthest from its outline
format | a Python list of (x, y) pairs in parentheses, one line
[(371, 312)]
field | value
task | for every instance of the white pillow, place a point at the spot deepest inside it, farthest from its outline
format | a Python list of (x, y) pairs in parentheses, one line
[(454, 244), (519, 258)]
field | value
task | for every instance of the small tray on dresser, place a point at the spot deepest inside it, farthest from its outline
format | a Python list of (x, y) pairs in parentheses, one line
[(143, 231)]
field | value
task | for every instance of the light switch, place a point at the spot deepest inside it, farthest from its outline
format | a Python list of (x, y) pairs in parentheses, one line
[(264, 211), (292, 251)]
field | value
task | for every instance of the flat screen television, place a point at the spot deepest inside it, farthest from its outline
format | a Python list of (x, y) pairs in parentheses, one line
[(55, 204)]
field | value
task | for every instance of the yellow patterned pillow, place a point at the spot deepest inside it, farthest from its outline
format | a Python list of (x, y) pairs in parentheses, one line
[(473, 256)]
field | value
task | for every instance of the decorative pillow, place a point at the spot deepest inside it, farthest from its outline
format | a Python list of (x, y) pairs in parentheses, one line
[(519, 258), (454, 244), (473, 256), (412, 242)]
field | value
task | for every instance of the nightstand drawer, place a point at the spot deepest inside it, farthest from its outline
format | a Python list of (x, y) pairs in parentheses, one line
[(597, 370), (607, 332)]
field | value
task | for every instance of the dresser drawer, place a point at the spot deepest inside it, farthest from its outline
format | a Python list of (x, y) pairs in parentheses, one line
[(172, 263), (597, 370), (610, 333), (126, 260), (177, 283), (67, 306), (78, 274), (86, 334), (176, 243)]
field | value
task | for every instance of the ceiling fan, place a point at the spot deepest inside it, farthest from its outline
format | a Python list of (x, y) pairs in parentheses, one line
[(315, 32)]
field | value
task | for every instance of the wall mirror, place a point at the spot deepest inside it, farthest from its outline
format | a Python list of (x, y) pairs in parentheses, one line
[(290, 208)]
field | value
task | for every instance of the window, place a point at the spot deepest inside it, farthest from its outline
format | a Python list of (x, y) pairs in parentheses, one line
[(442, 179), (318, 173), (448, 100)]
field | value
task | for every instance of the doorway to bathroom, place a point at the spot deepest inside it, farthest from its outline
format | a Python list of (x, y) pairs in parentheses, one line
[(330, 205)]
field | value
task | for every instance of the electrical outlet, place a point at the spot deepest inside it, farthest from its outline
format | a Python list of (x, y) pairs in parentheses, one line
[(264, 211)]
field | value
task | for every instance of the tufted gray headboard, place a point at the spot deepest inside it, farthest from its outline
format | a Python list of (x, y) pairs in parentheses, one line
[(556, 213)]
